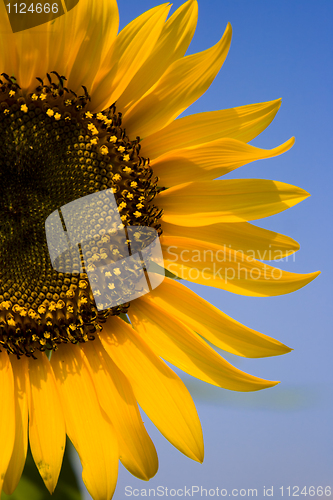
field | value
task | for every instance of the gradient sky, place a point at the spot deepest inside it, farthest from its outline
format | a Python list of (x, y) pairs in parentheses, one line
[(281, 436)]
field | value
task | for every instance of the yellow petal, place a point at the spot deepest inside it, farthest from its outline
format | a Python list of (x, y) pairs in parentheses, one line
[(177, 344), (211, 265), (87, 425), (172, 44), (210, 160), (221, 330), (182, 84), (47, 433), (84, 34), (132, 47), (136, 449), (7, 50), (17, 461), (159, 391), (243, 123), (233, 200), (253, 241), (98, 22), (7, 414)]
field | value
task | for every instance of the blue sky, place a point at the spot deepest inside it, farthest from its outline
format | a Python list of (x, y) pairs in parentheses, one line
[(280, 436)]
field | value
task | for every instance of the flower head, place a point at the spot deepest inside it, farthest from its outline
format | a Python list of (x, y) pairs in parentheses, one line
[(89, 112)]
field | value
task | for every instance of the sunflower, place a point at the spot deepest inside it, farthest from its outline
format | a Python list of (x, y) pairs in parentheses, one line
[(82, 111)]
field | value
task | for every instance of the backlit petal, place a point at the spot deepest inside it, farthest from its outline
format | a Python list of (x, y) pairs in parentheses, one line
[(7, 414), (182, 84), (244, 237), (132, 47), (17, 461), (210, 160), (87, 425), (211, 265), (47, 435), (243, 123), (172, 44), (84, 34), (136, 450), (221, 330), (233, 200), (177, 344), (159, 391)]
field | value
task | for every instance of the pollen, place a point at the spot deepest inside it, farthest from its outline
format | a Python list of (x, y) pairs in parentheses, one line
[(104, 150), (92, 128), (60, 152)]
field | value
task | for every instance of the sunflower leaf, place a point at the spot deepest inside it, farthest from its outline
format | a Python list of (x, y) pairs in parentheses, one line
[(155, 268), (31, 484)]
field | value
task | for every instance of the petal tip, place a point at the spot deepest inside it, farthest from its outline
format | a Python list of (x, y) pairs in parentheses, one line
[(228, 29), (199, 457)]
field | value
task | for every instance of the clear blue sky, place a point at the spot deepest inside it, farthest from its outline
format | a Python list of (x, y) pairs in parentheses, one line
[(281, 436)]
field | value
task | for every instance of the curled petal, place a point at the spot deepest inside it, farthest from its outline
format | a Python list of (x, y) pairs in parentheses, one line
[(172, 44), (131, 49), (209, 160), (182, 84), (182, 347), (209, 264), (243, 123), (180, 302), (253, 241)]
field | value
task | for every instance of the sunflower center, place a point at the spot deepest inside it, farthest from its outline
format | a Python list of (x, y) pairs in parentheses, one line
[(53, 152)]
